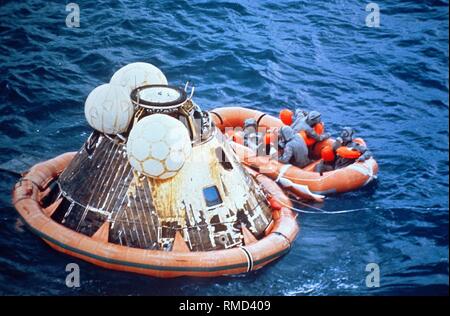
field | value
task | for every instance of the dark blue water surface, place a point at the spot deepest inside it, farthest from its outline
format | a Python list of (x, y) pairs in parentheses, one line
[(390, 83)]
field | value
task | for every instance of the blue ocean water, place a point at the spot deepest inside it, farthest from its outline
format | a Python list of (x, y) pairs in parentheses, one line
[(389, 82)]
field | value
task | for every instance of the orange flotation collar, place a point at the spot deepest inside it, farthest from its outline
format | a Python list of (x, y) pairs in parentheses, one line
[(319, 128), (348, 152), (327, 154)]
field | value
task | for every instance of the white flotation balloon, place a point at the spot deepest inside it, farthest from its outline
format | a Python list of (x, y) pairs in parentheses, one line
[(158, 146), (138, 74), (108, 109)]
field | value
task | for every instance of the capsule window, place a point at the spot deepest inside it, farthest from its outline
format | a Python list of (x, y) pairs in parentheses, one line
[(212, 196)]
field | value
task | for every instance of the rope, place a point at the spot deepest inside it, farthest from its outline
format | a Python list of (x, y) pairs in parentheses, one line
[(321, 211)]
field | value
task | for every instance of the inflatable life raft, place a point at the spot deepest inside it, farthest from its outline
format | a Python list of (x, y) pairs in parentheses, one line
[(30, 192), (341, 180)]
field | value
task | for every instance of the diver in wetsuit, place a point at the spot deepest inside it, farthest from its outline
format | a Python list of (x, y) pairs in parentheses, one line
[(298, 116), (348, 150), (345, 151), (310, 127), (295, 151)]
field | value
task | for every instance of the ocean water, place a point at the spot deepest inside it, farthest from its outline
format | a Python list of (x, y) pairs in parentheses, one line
[(389, 82)]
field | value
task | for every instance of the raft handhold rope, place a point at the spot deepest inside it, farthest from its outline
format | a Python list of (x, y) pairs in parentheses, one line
[(218, 116), (249, 257), (260, 119), (287, 239), (19, 184)]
